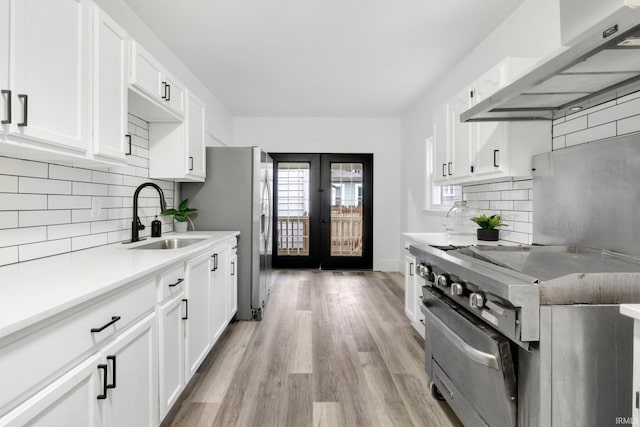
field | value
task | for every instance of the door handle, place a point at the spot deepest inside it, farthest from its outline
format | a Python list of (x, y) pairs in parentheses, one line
[(186, 309), (8, 104), (128, 137), (324, 221), (113, 361), (164, 90), (114, 319), (444, 167), (190, 163), (103, 367), (167, 92), (171, 285), (411, 272), (495, 158), (25, 109), (449, 167), (233, 268)]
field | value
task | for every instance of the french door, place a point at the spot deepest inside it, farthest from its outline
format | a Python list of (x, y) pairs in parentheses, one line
[(323, 216)]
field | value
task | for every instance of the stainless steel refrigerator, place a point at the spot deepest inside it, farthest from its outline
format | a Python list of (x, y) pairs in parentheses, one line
[(237, 195)]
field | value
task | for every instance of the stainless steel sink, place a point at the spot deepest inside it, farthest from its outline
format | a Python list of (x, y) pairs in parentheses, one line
[(169, 244)]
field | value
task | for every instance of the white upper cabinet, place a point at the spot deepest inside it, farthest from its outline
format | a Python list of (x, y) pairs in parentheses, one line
[(111, 79), (5, 98), (176, 150), (441, 138), (158, 96), (49, 73)]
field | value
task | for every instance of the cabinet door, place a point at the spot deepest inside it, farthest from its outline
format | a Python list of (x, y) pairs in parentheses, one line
[(490, 141), (111, 80), (460, 136), (70, 400), (175, 94), (171, 352), (409, 286), (132, 366), (219, 291), (51, 72), (146, 73), (233, 284), (441, 135), (197, 312), (195, 138), (5, 99)]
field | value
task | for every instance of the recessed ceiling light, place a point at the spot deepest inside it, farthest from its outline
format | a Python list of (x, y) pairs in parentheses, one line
[(576, 108), (633, 41)]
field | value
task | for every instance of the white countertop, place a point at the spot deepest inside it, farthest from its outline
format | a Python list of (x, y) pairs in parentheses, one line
[(35, 290), (446, 239), (631, 310)]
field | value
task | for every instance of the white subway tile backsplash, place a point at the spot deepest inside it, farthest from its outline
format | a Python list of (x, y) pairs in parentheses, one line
[(138, 162), (513, 236), (91, 241), (629, 97), (570, 126), (46, 209), (521, 205), (68, 230), (87, 189), (39, 250), (43, 186), (559, 142), (606, 130), (20, 236), (8, 219), (523, 227), (133, 120), (499, 186), (8, 184), (33, 218), (522, 216), (616, 112), (9, 255), (22, 202), (69, 202), (11, 166), (521, 185), (515, 195), (506, 205), (629, 125), (69, 173)]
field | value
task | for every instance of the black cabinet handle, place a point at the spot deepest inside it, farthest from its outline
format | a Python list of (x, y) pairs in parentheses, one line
[(8, 104), (233, 268), (495, 158), (449, 168), (164, 90), (444, 167), (114, 319), (128, 137), (167, 93), (215, 262), (171, 285), (190, 163), (103, 367), (411, 269), (25, 109), (113, 362), (186, 309)]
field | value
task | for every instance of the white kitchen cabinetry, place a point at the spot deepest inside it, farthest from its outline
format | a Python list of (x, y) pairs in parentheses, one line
[(409, 286), (177, 150), (5, 99), (219, 290), (479, 151), (197, 312), (49, 75), (233, 278), (161, 97), (132, 367), (71, 399), (111, 79)]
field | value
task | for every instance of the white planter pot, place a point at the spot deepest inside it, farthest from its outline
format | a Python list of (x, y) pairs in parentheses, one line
[(180, 227)]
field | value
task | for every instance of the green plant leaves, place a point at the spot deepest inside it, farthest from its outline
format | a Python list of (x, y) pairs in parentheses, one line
[(181, 213), (488, 222)]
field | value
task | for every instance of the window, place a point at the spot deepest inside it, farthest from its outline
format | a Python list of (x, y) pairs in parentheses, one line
[(438, 197)]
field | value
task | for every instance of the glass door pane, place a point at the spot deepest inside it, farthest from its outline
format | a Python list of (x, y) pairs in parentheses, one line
[(293, 208), (346, 209)]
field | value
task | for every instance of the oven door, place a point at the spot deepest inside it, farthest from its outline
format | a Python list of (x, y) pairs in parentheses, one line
[(470, 363)]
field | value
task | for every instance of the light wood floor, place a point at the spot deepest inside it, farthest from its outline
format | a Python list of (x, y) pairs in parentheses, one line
[(333, 349)]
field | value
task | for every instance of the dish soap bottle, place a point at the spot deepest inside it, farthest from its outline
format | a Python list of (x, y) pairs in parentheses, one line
[(156, 227)]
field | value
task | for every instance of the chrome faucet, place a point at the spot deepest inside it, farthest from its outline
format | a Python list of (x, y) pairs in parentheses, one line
[(136, 225)]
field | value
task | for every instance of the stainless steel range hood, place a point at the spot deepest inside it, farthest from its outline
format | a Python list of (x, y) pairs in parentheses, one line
[(601, 65)]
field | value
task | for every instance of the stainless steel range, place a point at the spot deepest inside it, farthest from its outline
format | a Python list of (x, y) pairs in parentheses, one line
[(529, 336)]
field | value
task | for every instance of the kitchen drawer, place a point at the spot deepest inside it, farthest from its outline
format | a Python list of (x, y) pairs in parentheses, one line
[(44, 352), (171, 283)]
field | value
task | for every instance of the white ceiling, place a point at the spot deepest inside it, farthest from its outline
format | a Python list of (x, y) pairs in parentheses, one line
[(299, 58)]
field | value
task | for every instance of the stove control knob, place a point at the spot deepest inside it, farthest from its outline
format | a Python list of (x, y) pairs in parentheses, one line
[(443, 281), (476, 300), (424, 270), (457, 289)]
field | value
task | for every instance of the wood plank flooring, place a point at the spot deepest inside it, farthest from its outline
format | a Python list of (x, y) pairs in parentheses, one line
[(333, 349)]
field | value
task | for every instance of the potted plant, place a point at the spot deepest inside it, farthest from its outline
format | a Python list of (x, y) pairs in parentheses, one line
[(180, 216), (488, 224)]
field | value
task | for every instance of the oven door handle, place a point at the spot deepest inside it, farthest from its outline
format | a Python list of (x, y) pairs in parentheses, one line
[(486, 359)]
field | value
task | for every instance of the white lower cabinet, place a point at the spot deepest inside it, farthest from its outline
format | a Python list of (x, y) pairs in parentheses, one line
[(409, 286), (197, 312), (171, 338), (219, 291), (70, 400), (233, 280)]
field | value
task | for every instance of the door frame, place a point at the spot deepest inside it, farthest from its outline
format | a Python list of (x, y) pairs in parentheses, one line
[(320, 211)]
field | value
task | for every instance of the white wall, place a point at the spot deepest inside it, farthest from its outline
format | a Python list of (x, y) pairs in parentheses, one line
[(533, 30), (382, 137), (219, 118)]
